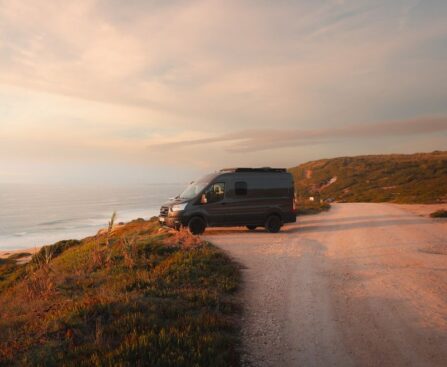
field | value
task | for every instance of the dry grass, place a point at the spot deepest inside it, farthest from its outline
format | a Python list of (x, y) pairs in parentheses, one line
[(184, 239), (133, 296), (39, 283)]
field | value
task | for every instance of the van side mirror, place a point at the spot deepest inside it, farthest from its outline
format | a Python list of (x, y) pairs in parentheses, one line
[(203, 199)]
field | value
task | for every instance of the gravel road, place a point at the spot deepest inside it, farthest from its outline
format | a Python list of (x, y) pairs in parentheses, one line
[(360, 285)]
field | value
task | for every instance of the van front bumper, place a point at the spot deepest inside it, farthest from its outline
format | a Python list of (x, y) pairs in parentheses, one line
[(289, 218), (172, 220)]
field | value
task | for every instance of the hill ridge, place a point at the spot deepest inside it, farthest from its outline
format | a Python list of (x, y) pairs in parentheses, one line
[(401, 178)]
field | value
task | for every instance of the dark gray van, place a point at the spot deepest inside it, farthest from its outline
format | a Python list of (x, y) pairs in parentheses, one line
[(251, 197)]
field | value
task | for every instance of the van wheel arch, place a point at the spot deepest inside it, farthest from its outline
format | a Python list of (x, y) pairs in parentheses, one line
[(197, 224), (278, 214), (273, 223)]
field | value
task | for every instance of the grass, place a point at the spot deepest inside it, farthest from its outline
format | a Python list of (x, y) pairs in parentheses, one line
[(134, 296), (439, 214), (10, 272), (399, 178), (19, 255)]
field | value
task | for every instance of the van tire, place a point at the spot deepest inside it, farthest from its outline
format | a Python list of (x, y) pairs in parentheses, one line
[(251, 228), (273, 224), (196, 225)]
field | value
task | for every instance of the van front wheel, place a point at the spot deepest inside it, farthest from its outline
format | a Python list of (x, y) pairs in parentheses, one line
[(273, 224), (196, 225)]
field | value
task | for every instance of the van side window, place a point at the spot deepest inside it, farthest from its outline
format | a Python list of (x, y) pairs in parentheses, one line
[(215, 192), (240, 188)]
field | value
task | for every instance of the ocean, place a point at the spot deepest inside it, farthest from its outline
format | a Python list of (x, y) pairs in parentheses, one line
[(32, 215)]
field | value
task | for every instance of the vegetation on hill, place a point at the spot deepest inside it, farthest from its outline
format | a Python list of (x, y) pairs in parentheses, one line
[(307, 207), (415, 178), (136, 295)]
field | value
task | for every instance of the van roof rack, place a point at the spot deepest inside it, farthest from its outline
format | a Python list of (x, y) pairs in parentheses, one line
[(261, 169)]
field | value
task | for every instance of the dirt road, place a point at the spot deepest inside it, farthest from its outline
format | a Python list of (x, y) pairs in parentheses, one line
[(360, 285)]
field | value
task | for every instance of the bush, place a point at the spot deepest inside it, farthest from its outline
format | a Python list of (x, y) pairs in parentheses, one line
[(46, 253), (439, 214), (310, 207)]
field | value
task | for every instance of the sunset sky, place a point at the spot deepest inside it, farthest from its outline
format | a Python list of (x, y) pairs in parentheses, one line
[(162, 91)]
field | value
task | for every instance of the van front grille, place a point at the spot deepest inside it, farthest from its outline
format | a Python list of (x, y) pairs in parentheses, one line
[(164, 210)]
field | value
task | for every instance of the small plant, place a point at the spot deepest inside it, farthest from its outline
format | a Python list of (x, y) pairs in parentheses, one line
[(99, 257), (43, 257), (99, 331), (130, 251), (439, 214), (49, 252), (39, 283), (109, 228)]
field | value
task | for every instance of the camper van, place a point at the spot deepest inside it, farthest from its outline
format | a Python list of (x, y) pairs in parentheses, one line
[(249, 197)]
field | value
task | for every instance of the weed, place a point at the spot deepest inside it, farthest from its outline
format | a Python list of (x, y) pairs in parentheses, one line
[(99, 257), (39, 283), (109, 228), (130, 251)]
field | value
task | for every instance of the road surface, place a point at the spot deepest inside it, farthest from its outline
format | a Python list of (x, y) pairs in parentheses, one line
[(360, 285)]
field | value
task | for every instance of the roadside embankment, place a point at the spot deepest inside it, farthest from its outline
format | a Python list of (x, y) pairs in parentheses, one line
[(139, 295)]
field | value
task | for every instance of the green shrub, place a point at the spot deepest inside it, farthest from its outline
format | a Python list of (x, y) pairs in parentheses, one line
[(49, 252), (310, 207), (439, 214)]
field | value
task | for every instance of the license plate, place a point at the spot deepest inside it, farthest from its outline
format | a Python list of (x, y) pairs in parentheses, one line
[(161, 219)]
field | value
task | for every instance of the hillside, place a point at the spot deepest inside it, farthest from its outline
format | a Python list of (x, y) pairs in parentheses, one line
[(415, 178), (137, 295)]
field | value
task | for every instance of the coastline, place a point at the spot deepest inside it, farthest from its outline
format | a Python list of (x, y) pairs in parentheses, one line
[(418, 209), (34, 215), (4, 254)]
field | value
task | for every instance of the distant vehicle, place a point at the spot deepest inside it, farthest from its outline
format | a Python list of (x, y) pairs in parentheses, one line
[(250, 197)]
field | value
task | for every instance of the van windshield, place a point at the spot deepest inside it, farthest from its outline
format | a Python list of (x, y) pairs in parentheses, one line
[(193, 190), (195, 187)]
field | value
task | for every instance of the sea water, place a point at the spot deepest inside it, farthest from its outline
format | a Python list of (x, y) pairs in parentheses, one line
[(32, 215)]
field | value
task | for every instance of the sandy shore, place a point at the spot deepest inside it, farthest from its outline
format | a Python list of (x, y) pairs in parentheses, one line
[(4, 254)]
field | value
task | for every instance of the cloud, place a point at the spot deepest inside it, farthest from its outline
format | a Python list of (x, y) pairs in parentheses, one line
[(220, 61), (272, 139), (100, 80)]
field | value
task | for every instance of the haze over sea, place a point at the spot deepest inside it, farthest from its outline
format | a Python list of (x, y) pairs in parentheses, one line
[(32, 215)]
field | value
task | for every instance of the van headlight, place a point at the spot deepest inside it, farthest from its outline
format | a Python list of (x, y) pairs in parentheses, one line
[(178, 207)]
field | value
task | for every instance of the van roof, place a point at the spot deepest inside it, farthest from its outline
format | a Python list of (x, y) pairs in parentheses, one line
[(260, 169)]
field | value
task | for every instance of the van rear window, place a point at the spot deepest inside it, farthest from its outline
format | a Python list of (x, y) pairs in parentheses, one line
[(240, 188)]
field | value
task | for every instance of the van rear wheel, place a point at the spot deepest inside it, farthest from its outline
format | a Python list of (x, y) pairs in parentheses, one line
[(273, 224), (196, 225), (251, 228)]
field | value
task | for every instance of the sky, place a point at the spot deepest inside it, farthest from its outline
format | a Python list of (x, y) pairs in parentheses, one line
[(140, 91)]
